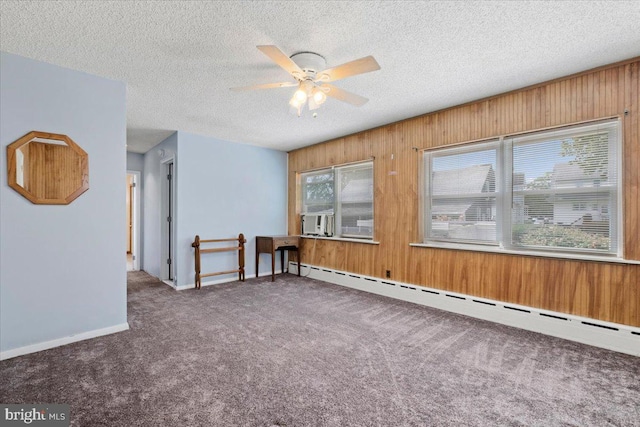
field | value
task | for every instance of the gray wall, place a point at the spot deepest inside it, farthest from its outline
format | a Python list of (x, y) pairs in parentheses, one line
[(62, 268)]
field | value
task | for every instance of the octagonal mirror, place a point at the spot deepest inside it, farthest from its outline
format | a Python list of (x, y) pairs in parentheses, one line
[(47, 168)]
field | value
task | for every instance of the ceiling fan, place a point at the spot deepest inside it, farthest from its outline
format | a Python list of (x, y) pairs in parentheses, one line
[(312, 78)]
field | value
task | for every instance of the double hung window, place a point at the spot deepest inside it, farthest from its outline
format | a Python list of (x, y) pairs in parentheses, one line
[(544, 191), (461, 193), (345, 192), (565, 189)]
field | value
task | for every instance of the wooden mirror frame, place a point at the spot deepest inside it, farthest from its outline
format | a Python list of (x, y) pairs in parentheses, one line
[(50, 170)]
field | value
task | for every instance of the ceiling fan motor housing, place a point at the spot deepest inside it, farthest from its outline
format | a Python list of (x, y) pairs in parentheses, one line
[(309, 62)]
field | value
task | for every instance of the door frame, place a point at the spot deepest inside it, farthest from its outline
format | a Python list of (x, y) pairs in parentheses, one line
[(136, 203), (165, 212)]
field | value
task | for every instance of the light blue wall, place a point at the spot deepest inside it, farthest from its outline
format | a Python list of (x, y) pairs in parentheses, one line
[(153, 176), (227, 188), (62, 268), (222, 189), (135, 162)]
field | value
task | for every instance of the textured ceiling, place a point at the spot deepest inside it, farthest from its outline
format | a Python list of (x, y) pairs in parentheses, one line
[(180, 58)]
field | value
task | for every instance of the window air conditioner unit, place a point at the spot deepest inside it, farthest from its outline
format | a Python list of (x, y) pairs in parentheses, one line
[(318, 225)]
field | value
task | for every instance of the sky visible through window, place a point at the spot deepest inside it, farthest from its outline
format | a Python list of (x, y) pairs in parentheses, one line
[(534, 160), (464, 160)]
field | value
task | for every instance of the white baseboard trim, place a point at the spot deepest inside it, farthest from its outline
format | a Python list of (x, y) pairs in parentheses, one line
[(218, 281), (33, 348), (611, 336)]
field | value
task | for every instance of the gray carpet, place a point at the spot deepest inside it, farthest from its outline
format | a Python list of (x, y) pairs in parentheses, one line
[(299, 352)]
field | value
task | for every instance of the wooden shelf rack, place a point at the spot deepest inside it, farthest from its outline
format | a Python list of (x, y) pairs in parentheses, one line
[(239, 247)]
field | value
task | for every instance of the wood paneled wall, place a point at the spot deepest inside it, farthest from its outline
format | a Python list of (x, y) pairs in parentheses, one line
[(605, 291)]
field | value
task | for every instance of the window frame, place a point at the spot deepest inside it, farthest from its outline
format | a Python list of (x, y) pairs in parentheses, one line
[(317, 172), (428, 156), (337, 171), (504, 192)]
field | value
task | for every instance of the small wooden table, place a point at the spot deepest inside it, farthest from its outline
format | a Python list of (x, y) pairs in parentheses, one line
[(271, 244)]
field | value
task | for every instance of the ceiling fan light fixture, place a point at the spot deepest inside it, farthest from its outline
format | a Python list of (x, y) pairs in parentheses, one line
[(313, 104), (311, 77), (319, 97), (296, 106), (300, 95)]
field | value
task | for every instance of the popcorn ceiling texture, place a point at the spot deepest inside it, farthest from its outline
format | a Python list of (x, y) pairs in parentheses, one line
[(179, 59), (300, 352)]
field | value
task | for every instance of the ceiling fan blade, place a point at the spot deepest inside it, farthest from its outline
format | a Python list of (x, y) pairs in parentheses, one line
[(344, 96), (265, 86), (359, 66), (280, 58)]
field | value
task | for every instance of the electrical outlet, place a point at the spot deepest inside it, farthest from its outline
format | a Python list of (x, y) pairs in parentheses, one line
[(388, 274)]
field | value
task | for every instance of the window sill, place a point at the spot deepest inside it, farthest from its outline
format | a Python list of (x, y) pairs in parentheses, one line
[(343, 239), (498, 250)]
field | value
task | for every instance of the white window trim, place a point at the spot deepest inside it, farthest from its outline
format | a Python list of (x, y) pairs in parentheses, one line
[(367, 240), (504, 198), (541, 254)]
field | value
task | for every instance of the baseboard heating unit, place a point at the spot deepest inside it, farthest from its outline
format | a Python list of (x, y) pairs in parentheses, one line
[(612, 336)]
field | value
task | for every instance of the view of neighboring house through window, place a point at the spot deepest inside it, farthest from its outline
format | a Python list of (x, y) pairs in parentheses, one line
[(551, 190), (461, 190), (569, 187), (345, 192)]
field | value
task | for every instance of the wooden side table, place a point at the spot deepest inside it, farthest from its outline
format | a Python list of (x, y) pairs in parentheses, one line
[(271, 244)]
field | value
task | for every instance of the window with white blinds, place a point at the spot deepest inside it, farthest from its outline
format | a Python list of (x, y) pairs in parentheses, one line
[(355, 200), (565, 189), (344, 191), (544, 191), (461, 193)]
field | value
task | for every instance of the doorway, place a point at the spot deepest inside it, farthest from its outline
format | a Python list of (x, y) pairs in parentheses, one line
[(133, 221), (168, 233), (170, 220)]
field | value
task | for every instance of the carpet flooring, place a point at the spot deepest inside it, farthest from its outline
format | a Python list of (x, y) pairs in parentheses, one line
[(300, 352)]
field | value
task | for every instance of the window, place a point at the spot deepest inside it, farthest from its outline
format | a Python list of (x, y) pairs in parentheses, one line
[(570, 180), (544, 191), (317, 192), (461, 194), (344, 191)]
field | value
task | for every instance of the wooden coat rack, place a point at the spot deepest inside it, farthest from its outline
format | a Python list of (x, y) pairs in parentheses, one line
[(240, 248)]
